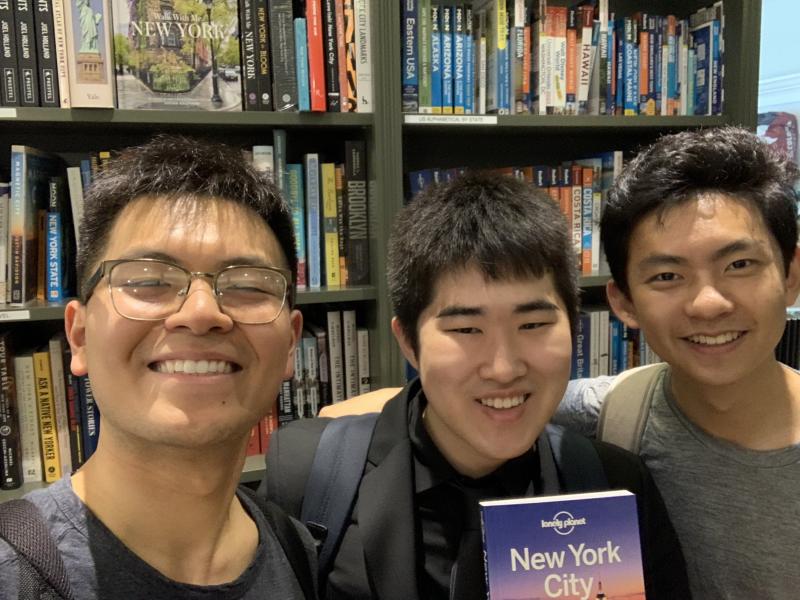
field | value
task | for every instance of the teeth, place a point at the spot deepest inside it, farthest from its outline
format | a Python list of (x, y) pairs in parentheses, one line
[(502, 403), (715, 340), (192, 367)]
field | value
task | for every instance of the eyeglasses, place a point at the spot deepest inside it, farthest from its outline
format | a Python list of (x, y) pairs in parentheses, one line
[(150, 290)]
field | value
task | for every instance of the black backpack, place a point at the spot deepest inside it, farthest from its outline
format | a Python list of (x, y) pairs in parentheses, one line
[(42, 573)]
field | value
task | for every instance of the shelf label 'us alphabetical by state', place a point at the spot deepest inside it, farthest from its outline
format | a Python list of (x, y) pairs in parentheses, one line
[(451, 119)]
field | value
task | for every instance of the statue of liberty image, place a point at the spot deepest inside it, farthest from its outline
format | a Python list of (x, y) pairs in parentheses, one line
[(89, 20)]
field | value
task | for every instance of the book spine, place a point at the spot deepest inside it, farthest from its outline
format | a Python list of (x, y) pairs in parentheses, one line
[(47, 418), (341, 223), (75, 198), (424, 55), (26, 52), (330, 226), (331, 56), (279, 145), (469, 62), (313, 213), (60, 42), (90, 417), (60, 403), (301, 64), (247, 50), (55, 269), (264, 160), (363, 55), (46, 53), (28, 419), (264, 57), (410, 57), (349, 91), (17, 228), (294, 184), (10, 440), (459, 81), (357, 217), (296, 406), (447, 59), (364, 377), (586, 221), (9, 68), (436, 59), (73, 411), (281, 33), (5, 200), (350, 351), (336, 355), (316, 55), (321, 337), (311, 362)]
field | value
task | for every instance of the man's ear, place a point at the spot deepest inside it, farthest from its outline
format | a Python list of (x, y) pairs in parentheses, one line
[(621, 305), (296, 322), (75, 326), (793, 278), (404, 343)]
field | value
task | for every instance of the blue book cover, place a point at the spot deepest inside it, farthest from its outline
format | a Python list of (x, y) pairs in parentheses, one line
[(419, 180), (436, 58), (619, 72), (702, 40), (295, 196), (459, 82), (716, 70), (313, 252), (410, 56), (571, 547), (503, 73), (301, 64), (616, 335), (86, 173), (631, 70), (447, 59), (54, 272)]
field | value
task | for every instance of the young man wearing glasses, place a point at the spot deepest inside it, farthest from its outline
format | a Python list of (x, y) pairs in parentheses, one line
[(186, 327)]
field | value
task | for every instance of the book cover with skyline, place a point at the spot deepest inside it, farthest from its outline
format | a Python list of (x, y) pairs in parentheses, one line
[(571, 547)]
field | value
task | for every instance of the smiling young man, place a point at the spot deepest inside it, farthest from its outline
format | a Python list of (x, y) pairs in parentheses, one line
[(701, 237), (186, 327), (484, 292)]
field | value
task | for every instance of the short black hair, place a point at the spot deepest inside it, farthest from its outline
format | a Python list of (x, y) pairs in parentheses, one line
[(178, 168), (680, 167), (506, 227)]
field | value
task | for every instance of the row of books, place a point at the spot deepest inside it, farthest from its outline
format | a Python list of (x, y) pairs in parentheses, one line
[(42, 204), (48, 416), (329, 203), (213, 55), (579, 187), (526, 56)]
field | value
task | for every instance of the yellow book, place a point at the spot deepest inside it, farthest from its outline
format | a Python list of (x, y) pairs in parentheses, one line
[(51, 456), (341, 220), (331, 227)]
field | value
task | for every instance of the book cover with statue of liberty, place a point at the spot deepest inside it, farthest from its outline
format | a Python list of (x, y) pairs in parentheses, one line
[(177, 54), (90, 59), (570, 547)]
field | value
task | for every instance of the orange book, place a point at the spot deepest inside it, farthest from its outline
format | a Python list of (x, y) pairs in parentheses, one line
[(316, 57)]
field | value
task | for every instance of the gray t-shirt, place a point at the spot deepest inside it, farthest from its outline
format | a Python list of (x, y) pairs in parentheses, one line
[(735, 510), (100, 566)]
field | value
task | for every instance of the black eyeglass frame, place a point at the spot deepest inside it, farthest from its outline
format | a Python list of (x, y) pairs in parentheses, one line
[(106, 266)]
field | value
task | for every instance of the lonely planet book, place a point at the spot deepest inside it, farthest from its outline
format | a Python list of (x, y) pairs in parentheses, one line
[(177, 54), (570, 547)]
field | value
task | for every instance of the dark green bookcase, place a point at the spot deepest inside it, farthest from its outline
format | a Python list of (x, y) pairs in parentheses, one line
[(394, 146)]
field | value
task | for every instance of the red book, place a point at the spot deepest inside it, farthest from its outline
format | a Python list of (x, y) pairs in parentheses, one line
[(316, 56)]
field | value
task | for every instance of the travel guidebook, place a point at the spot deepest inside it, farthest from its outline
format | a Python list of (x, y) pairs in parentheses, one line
[(571, 547), (177, 54)]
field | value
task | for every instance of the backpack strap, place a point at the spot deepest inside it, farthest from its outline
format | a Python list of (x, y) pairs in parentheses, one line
[(576, 460), (333, 482), (289, 539), (26, 531), (626, 406)]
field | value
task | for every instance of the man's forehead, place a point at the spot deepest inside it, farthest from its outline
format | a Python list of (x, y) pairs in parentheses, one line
[(463, 283)]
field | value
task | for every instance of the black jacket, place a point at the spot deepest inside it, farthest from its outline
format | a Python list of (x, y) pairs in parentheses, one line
[(378, 554)]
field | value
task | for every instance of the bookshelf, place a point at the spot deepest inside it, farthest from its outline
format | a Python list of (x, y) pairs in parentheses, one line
[(396, 144)]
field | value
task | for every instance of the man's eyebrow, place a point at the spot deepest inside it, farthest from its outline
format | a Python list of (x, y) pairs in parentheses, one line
[(246, 260), (457, 310), (657, 260)]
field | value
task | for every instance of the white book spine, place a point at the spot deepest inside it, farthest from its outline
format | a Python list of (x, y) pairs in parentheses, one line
[(5, 199), (264, 161), (363, 56), (350, 339), (28, 420), (299, 383), (311, 361), (75, 186), (62, 60)]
